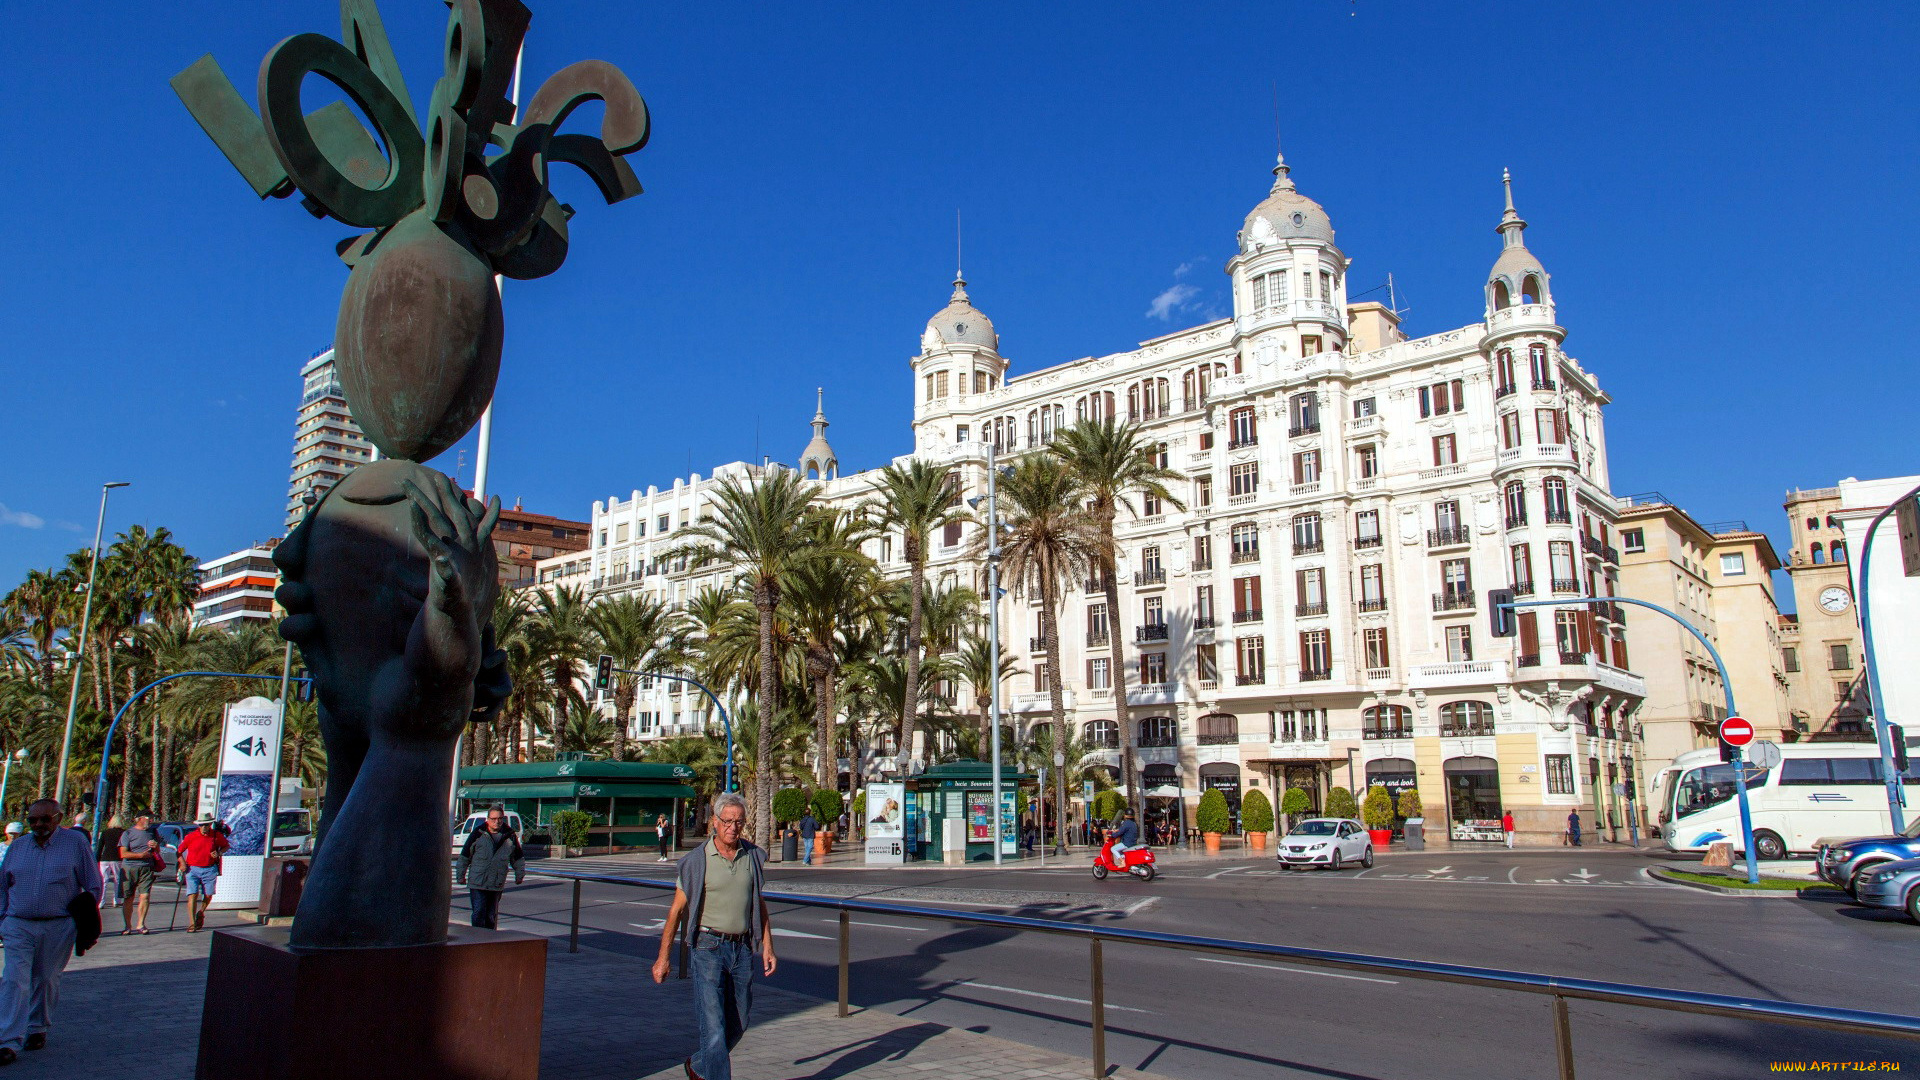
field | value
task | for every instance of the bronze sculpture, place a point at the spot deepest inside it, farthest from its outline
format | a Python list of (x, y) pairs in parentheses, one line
[(390, 579)]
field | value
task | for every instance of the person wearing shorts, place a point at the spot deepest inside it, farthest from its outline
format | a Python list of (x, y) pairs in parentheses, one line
[(200, 852), (138, 846)]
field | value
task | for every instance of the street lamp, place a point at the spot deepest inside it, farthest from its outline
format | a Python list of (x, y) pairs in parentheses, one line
[(79, 657), (17, 755), (993, 631)]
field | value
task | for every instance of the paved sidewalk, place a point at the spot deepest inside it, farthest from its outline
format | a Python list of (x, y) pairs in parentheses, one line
[(605, 1020)]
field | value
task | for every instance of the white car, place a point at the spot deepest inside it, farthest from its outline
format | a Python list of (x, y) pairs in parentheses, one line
[(1328, 842), (478, 820)]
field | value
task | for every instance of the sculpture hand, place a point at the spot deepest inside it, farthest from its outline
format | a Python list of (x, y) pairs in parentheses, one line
[(444, 645)]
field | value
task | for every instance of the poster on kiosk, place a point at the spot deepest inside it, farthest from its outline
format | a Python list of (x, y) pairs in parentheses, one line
[(249, 745), (886, 814)]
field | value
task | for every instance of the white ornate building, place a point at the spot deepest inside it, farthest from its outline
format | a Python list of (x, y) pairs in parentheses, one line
[(1317, 614)]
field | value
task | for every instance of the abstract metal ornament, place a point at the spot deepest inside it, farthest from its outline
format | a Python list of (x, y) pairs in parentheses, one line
[(418, 340)]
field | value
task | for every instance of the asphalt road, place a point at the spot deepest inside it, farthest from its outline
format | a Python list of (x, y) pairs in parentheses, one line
[(1587, 914)]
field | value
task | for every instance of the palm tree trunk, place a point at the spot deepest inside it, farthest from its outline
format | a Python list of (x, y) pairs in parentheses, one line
[(916, 615), (1050, 630), (824, 770), (153, 754), (765, 599), (1111, 571), (624, 693)]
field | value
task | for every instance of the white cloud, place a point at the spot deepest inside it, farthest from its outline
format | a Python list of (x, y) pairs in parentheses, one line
[(1175, 299), (20, 518)]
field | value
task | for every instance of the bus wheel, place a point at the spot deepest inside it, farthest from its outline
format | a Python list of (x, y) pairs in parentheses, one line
[(1769, 845)]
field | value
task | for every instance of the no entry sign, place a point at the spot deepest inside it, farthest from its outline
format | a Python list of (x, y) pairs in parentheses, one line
[(1736, 731)]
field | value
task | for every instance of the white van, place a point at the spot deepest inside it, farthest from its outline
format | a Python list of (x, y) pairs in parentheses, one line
[(478, 820)]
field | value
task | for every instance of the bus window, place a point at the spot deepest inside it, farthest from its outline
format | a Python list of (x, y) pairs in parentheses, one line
[(1801, 771), (1703, 788), (1856, 770), (1822, 772)]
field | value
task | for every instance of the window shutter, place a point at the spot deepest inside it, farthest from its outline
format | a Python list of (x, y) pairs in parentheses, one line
[(1529, 633)]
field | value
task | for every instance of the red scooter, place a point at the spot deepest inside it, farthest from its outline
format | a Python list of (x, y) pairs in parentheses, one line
[(1137, 861)]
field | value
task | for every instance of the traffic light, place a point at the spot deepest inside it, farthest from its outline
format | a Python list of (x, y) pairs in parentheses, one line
[(1898, 737), (1500, 611), (603, 673)]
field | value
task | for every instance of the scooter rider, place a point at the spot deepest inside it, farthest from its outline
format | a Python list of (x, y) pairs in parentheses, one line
[(1126, 838)]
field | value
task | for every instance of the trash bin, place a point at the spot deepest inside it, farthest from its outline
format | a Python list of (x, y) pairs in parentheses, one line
[(280, 885), (1414, 832), (790, 847)]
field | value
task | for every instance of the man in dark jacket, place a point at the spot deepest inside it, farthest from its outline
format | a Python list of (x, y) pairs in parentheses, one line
[(809, 828), (484, 861)]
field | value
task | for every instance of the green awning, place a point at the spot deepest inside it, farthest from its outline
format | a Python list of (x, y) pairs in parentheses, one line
[(572, 789)]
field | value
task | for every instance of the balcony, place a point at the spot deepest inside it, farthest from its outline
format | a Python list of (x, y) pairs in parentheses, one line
[(1309, 547), (1566, 585), (1379, 674), (1203, 622), (1591, 545), (1315, 674), (1387, 732), (1095, 585), (1038, 644), (1457, 673), (1150, 577), (1531, 659), (1096, 638), (1239, 557), (1449, 536), (1453, 601), (1559, 516), (1572, 658), (1151, 632), (1247, 616), (1309, 610), (1306, 487), (1523, 588), (1255, 679), (1531, 454), (1203, 564), (1298, 430), (1515, 521), (1376, 604), (1466, 729), (1443, 470), (1504, 390), (1229, 738), (1242, 443), (1242, 498), (1543, 382), (1363, 543)]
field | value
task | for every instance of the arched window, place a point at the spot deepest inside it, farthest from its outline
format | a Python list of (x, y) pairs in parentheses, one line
[(1839, 549), (1466, 718), (1104, 734), (1819, 553), (1386, 722), (1501, 296), (1530, 291), (1157, 731), (1219, 729)]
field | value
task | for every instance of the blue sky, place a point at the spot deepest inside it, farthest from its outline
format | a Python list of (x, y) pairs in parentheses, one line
[(1723, 194)]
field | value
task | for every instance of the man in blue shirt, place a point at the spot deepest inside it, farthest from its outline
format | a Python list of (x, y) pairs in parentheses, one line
[(1127, 836), (40, 876)]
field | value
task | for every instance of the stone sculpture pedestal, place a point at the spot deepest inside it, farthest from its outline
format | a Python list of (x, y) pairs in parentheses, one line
[(466, 1010)]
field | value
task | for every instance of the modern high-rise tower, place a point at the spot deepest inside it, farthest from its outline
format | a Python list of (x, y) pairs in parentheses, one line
[(326, 441)]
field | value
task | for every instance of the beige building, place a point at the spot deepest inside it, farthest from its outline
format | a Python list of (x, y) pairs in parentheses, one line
[(1716, 577), (1821, 643)]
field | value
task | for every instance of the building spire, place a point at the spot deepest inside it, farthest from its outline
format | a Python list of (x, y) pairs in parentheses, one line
[(1282, 181), (817, 460), (1511, 226)]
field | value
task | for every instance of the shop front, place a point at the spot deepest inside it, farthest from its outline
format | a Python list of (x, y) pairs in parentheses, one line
[(1165, 802), (1224, 777), (964, 790), (1473, 798), (625, 798), (1397, 776)]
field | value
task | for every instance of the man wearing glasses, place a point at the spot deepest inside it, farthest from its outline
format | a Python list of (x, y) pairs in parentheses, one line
[(484, 861), (727, 926), (41, 876)]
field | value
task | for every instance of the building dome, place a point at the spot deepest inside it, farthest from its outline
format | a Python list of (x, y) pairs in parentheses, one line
[(1285, 214), (960, 323), (1517, 276)]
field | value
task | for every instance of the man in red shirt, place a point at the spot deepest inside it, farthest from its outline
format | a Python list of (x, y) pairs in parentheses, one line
[(200, 853)]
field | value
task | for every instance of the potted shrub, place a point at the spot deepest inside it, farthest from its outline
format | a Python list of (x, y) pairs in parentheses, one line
[(1256, 817), (1410, 809), (1294, 803), (1212, 818), (1378, 814), (826, 807), (789, 806), (570, 831), (1413, 820), (1340, 803)]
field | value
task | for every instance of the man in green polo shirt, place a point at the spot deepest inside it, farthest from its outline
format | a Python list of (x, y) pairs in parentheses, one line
[(720, 915)]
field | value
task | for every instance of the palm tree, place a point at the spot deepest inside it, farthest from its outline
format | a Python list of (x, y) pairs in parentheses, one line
[(513, 619), (585, 731), (916, 499), (41, 601), (641, 634), (1050, 538), (562, 637), (829, 600), (975, 664), (1111, 462), (757, 530)]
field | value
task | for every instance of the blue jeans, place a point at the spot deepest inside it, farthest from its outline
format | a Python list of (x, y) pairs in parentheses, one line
[(486, 908), (806, 851), (723, 974)]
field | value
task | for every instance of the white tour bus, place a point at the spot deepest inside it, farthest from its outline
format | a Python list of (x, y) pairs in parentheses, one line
[(1819, 790)]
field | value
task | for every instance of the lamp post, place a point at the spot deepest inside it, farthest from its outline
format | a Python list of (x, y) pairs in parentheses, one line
[(17, 755), (79, 657), (993, 631)]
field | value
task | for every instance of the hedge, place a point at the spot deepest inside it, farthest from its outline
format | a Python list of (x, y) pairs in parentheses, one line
[(1410, 804), (1341, 803), (826, 806), (789, 804), (1256, 812), (570, 827), (1379, 808)]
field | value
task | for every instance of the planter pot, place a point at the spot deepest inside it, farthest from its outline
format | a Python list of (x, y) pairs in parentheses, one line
[(1381, 838), (820, 845), (1212, 840), (1258, 840)]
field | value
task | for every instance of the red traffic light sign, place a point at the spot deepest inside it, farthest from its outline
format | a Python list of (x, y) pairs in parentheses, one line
[(1736, 731)]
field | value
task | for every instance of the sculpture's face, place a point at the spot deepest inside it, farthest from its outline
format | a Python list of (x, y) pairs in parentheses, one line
[(368, 578)]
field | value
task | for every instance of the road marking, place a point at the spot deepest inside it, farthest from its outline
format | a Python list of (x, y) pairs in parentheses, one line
[(1228, 870), (1038, 994), (783, 932), (654, 925), (890, 926), (1295, 970), (1584, 874), (1448, 869)]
